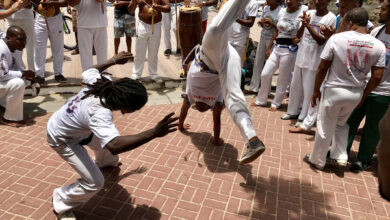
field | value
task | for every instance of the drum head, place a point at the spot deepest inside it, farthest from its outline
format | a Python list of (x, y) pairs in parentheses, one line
[(189, 9)]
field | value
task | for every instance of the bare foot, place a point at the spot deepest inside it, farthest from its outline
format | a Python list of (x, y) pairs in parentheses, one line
[(300, 130), (15, 124), (272, 109)]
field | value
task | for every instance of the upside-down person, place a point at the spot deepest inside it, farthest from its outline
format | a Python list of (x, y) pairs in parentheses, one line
[(88, 117), (217, 55)]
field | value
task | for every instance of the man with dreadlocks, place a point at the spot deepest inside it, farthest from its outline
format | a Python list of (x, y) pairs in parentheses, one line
[(87, 117)]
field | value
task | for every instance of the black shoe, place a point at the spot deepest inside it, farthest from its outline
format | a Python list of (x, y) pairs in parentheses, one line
[(178, 51), (167, 52), (60, 78), (40, 80), (358, 166)]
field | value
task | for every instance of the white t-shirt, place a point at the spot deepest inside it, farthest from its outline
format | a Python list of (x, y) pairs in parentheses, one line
[(268, 30), (384, 87), (78, 118), (24, 13), (309, 52), (89, 14), (250, 11), (352, 54), (10, 63), (289, 23), (203, 86)]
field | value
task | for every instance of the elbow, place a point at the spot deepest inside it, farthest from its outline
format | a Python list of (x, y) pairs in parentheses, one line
[(111, 147)]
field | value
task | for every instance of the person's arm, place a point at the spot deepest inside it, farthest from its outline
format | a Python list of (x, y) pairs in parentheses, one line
[(316, 36), (247, 22), (120, 58), (208, 3), (376, 77), (217, 123), (14, 8), (271, 43), (266, 21), (183, 115), (164, 7), (55, 3), (320, 76), (121, 144), (132, 6), (121, 3)]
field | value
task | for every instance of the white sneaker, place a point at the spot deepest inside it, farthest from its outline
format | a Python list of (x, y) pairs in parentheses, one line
[(134, 76), (68, 215), (253, 151)]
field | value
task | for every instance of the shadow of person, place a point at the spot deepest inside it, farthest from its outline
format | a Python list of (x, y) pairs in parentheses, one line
[(114, 202), (220, 158)]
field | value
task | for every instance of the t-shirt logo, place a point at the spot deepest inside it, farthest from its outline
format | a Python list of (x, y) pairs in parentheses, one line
[(358, 56), (72, 105)]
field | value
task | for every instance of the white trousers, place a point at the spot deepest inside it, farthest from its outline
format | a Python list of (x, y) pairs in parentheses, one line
[(147, 41), (89, 38), (311, 117), (168, 22), (28, 26), (335, 108), (91, 181), (259, 64), (301, 90), (56, 36), (226, 61), (238, 41), (11, 94)]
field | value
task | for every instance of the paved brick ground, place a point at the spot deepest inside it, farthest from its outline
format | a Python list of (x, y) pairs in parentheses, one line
[(183, 176)]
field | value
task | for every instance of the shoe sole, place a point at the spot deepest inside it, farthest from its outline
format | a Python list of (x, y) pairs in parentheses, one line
[(253, 157)]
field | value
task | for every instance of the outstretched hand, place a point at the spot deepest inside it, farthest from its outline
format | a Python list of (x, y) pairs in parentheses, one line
[(166, 125), (122, 57)]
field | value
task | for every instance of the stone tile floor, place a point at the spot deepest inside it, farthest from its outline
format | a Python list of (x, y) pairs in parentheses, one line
[(183, 176)]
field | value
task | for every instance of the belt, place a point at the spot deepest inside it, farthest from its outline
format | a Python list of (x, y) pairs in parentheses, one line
[(203, 66), (292, 48)]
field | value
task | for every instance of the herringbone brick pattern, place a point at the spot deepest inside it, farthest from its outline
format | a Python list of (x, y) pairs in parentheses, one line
[(183, 176)]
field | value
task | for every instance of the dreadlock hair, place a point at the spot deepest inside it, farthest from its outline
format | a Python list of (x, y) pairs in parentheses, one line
[(124, 93)]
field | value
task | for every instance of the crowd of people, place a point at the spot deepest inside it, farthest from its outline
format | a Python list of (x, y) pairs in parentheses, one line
[(334, 68)]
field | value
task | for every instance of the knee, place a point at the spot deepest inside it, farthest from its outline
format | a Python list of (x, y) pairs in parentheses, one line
[(16, 84)]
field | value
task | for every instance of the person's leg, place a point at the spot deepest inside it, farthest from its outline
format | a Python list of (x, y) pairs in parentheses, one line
[(74, 24), (13, 91), (166, 20), (269, 69), (129, 30), (68, 197), (354, 122), (174, 25), (118, 32), (308, 79), (383, 156), (258, 65), (377, 106), (153, 46), (41, 36), (85, 36), (100, 44), (286, 67), (56, 36), (296, 92), (141, 44)]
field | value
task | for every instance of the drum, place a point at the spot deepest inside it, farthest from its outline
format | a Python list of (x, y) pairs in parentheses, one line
[(190, 30)]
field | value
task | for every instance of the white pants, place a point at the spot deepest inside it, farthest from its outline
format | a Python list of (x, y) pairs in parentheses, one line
[(91, 181), (168, 22), (311, 117), (226, 61), (239, 42), (11, 94), (335, 108), (283, 59), (28, 26), (56, 36), (89, 38), (301, 90), (259, 64), (150, 42)]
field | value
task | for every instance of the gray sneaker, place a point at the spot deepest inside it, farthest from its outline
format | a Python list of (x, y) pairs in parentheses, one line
[(253, 150), (340, 164), (68, 215)]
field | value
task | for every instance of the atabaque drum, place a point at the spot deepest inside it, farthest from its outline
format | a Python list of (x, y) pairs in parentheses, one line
[(190, 30)]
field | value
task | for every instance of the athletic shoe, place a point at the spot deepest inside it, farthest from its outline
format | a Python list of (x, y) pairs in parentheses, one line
[(341, 164), (289, 117), (60, 78), (358, 166), (253, 150), (134, 76), (68, 215), (307, 160), (156, 79), (178, 51), (167, 52), (40, 80)]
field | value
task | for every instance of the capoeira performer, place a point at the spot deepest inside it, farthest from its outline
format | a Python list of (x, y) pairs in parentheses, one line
[(268, 21), (308, 59), (203, 90), (240, 30), (169, 21), (217, 55), (87, 117), (49, 28), (24, 18), (348, 56), (12, 85), (282, 56), (375, 105), (91, 30), (148, 35)]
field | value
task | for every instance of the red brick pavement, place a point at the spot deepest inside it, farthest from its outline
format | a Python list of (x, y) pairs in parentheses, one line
[(183, 176)]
